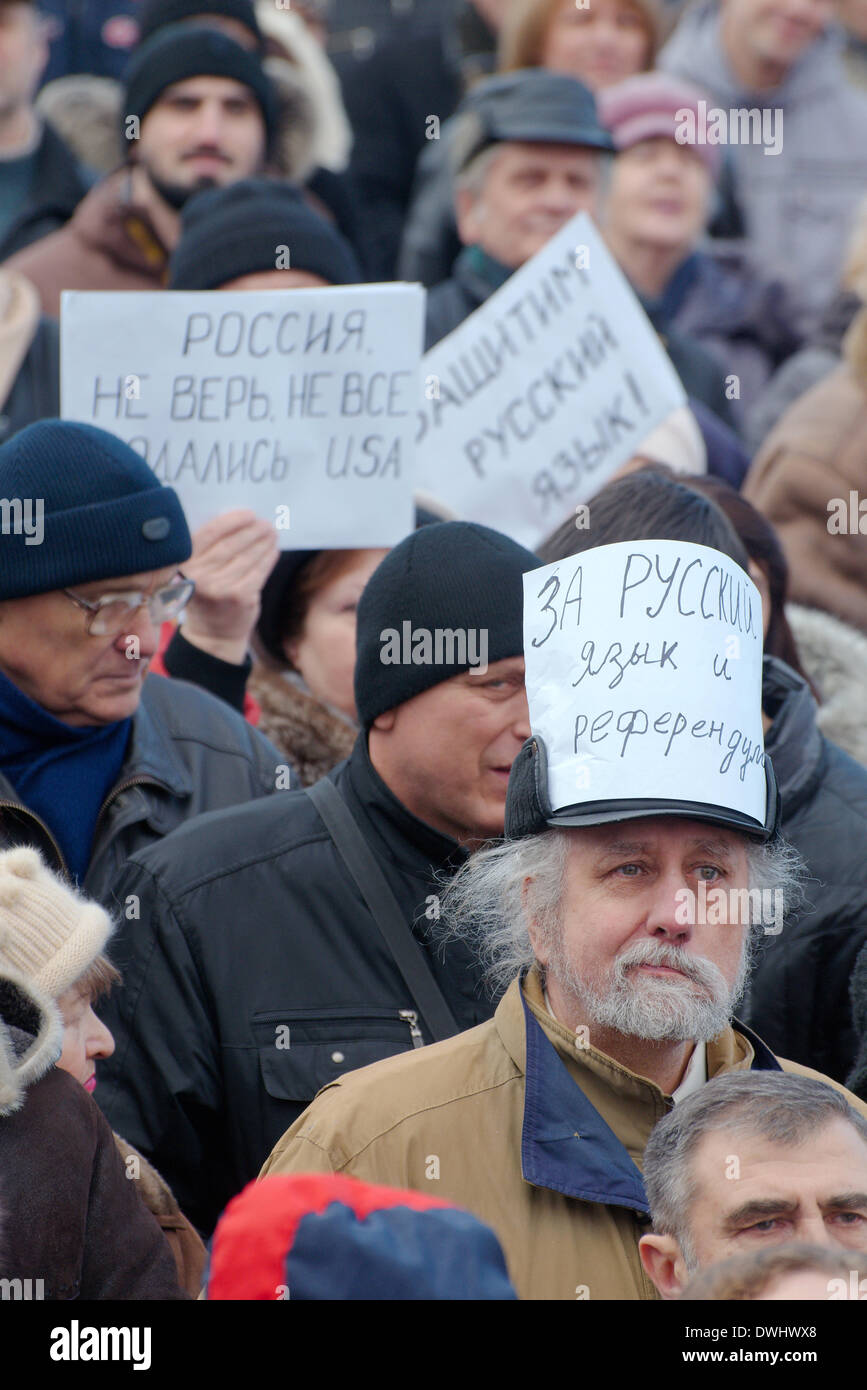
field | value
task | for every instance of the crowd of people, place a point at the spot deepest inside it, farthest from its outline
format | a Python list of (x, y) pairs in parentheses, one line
[(340, 977)]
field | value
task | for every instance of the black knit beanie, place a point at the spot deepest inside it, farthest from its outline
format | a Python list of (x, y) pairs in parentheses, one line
[(238, 230), (104, 512), (158, 14), (181, 51), (455, 576)]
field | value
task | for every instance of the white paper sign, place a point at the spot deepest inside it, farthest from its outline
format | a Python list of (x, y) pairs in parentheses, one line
[(298, 404), (644, 676), (541, 394)]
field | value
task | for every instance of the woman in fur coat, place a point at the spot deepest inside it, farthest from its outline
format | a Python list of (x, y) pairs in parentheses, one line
[(52, 939)]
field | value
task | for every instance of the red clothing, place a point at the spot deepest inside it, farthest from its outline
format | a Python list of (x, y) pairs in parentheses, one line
[(252, 708)]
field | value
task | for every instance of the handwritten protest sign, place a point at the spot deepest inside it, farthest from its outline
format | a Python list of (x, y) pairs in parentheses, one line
[(540, 396), (300, 405), (644, 676)]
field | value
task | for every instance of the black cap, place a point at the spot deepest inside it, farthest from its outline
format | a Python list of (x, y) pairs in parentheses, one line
[(237, 230), (529, 809), (533, 106), (158, 14), (181, 51), (452, 577)]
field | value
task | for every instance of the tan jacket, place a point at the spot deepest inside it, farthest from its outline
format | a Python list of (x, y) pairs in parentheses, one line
[(493, 1121), (818, 452)]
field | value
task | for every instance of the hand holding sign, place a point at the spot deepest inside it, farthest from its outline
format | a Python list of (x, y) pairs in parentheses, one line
[(231, 560)]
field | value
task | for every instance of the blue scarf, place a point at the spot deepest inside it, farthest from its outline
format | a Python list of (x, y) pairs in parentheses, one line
[(60, 773)]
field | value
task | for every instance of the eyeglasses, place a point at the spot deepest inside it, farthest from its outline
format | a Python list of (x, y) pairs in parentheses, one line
[(108, 616)]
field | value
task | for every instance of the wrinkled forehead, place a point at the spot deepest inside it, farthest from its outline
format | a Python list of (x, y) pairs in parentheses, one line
[(653, 833)]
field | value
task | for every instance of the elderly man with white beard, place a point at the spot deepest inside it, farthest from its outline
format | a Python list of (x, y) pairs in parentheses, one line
[(620, 1002)]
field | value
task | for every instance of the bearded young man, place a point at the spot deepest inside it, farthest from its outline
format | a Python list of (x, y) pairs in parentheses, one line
[(620, 1003)]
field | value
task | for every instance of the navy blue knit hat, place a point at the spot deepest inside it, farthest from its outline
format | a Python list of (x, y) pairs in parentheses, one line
[(238, 230), (181, 51), (453, 577), (104, 511)]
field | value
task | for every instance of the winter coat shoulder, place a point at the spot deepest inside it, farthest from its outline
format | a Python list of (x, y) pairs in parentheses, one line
[(74, 1227), (834, 656), (61, 181), (186, 1244), (797, 203), (109, 243), (312, 739), (188, 753), (499, 1109), (801, 480), (798, 996)]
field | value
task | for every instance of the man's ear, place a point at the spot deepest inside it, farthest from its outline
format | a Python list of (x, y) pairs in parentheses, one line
[(538, 940), (664, 1264), (468, 215), (385, 722)]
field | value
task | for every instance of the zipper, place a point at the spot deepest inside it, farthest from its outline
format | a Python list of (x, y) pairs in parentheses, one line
[(139, 780), (17, 806), (115, 791), (411, 1017)]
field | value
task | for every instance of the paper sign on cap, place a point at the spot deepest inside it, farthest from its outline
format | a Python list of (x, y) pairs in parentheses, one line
[(644, 676)]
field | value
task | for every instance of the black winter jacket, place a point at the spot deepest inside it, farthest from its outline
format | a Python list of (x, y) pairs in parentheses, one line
[(188, 753), (256, 975), (799, 995)]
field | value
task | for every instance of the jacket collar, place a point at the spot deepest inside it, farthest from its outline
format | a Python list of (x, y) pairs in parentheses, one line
[(794, 741), (415, 845), (662, 309), (478, 274), (151, 754), (566, 1144)]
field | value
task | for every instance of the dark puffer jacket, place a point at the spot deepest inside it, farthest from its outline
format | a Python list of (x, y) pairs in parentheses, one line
[(188, 753), (799, 996), (73, 1226)]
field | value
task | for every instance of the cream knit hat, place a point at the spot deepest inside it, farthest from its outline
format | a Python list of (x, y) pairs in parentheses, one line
[(49, 933)]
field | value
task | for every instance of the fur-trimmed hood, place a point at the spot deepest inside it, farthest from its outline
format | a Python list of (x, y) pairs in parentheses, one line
[(834, 655), (312, 738), (332, 138), (31, 1038)]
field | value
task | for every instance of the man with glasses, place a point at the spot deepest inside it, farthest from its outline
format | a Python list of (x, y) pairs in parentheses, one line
[(96, 760)]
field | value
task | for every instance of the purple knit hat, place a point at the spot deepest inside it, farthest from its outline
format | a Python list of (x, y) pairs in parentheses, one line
[(651, 105)]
